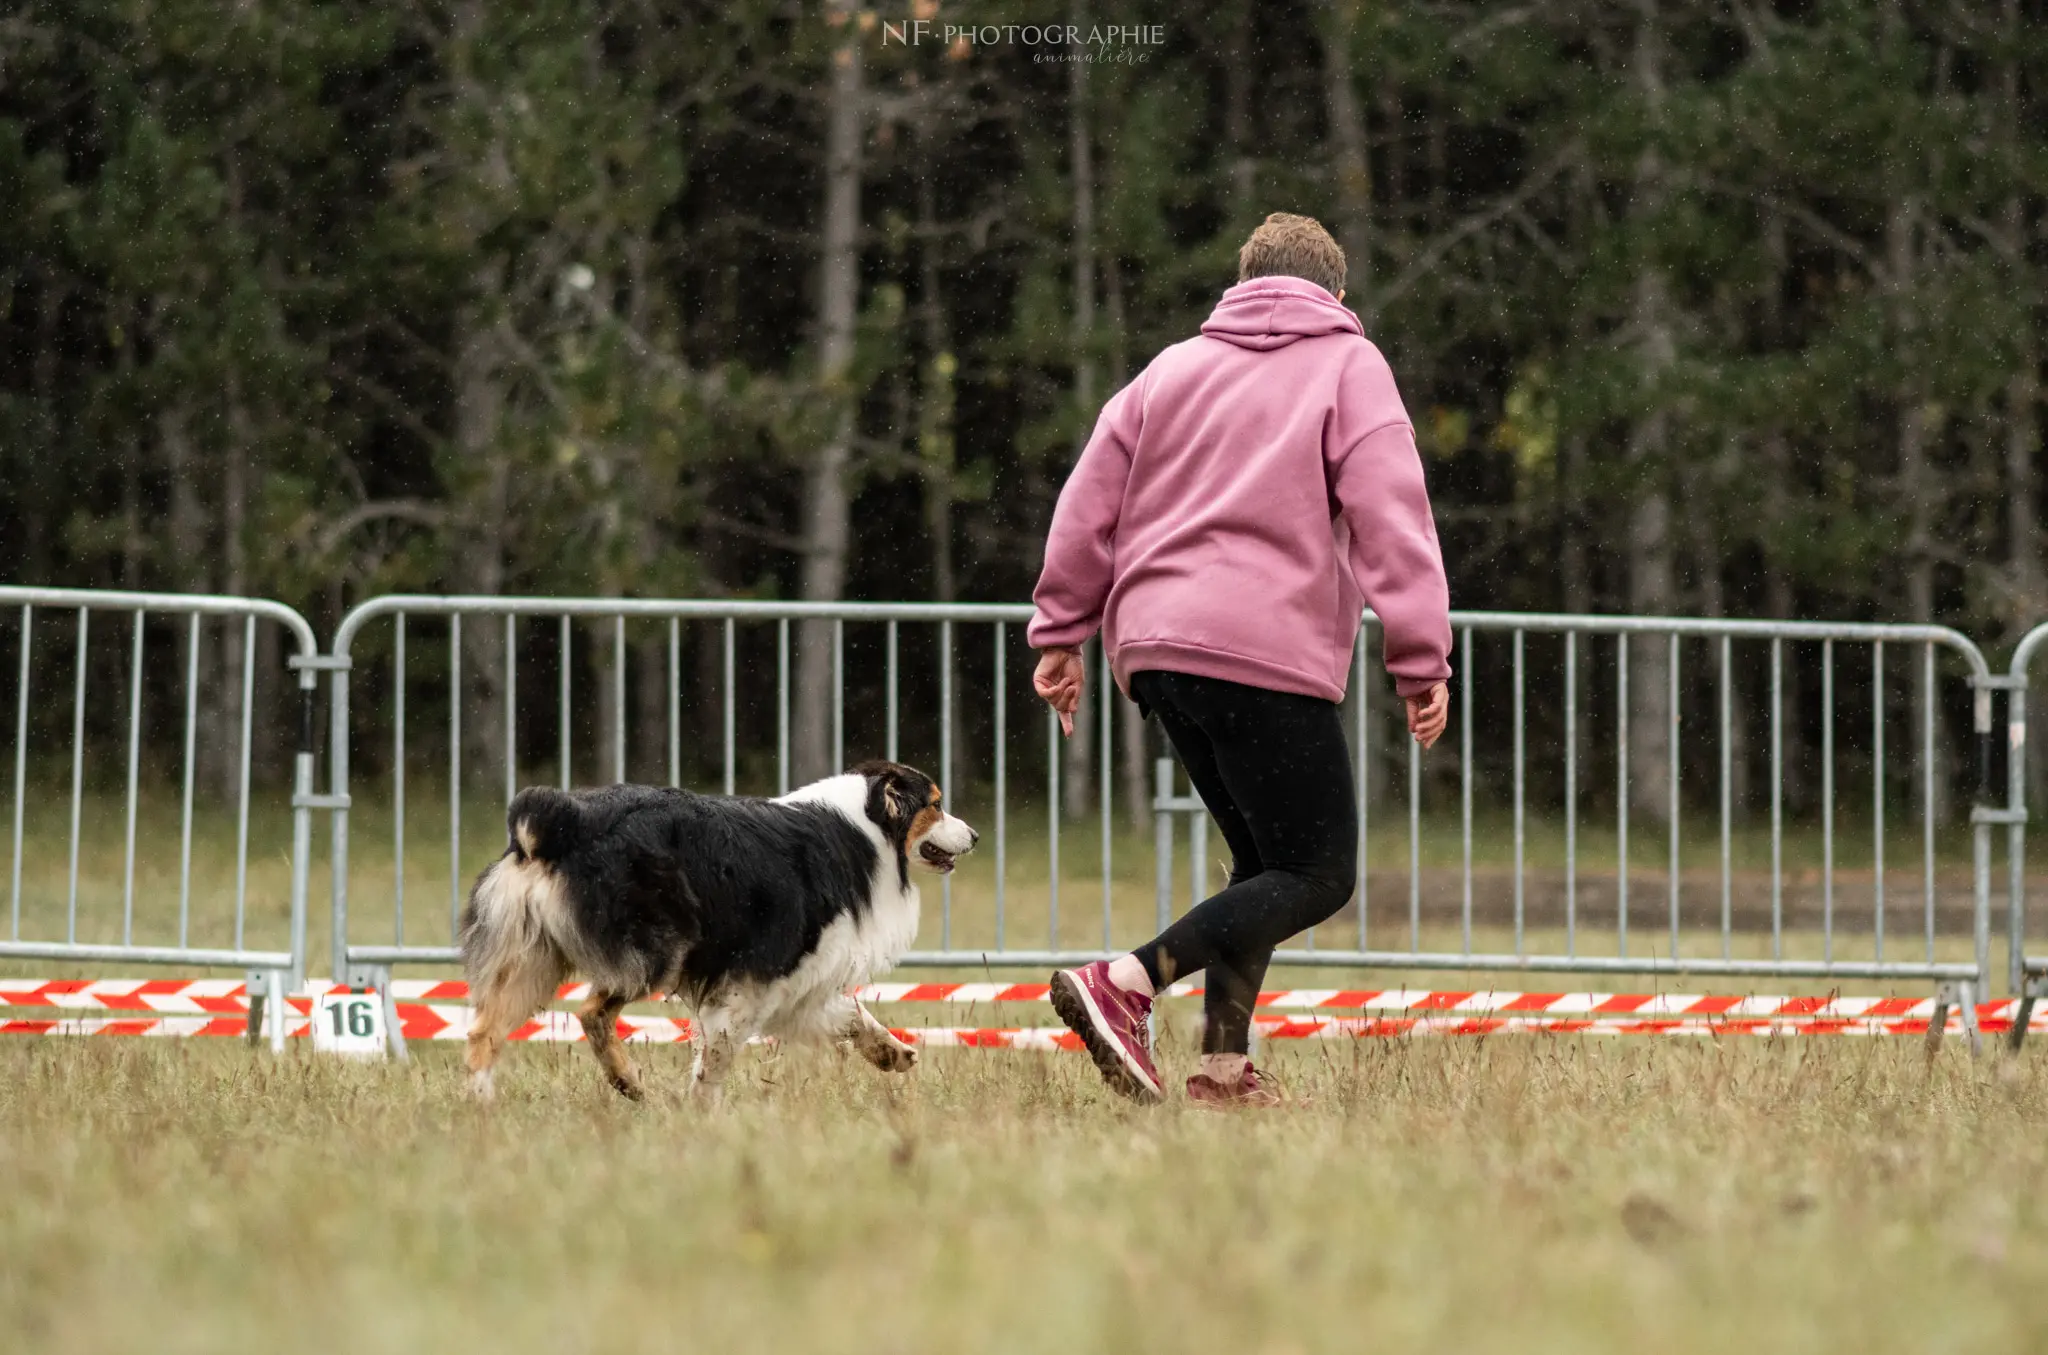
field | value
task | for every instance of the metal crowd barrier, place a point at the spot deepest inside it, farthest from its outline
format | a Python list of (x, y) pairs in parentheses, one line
[(2027, 974), (1690, 935), (273, 972), (1686, 926), (368, 963)]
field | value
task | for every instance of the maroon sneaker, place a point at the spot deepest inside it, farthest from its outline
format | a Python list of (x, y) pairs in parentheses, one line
[(1248, 1090), (1114, 1025)]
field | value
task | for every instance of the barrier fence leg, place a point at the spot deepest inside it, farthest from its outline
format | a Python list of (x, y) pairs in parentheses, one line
[(269, 1013), (1937, 1022), (1966, 998), (256, 985), (378, 977), (2023, 1015)]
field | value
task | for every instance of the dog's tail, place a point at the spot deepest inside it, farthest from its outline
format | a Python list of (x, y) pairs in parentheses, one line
[(516, 929)]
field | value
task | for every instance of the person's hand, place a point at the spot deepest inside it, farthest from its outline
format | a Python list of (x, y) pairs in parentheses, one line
[(1428, 713), (1058, 682)]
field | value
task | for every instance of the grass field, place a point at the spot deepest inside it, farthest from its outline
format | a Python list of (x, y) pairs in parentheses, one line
[(1536, 1194)]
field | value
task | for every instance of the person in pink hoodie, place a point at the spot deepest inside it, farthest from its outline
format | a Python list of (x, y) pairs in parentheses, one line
[(1238, 505)]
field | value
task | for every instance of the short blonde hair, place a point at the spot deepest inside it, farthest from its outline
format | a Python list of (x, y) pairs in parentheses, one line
[(1286, 245)]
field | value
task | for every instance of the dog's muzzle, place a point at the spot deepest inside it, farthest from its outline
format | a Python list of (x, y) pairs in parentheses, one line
[(943, 846)]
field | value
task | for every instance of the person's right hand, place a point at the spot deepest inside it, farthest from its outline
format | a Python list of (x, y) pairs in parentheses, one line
[(1428, 713), (1058, 682)]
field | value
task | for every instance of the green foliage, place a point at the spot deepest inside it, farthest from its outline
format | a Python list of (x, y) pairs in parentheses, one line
[(320, 299)]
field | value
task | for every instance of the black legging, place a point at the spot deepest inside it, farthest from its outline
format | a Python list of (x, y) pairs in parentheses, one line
[(1275, 772)]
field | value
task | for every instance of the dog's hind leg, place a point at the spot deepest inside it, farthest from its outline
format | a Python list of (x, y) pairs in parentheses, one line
[(600, 1017), (874, 1042), (718, 1040), (503, 1003)]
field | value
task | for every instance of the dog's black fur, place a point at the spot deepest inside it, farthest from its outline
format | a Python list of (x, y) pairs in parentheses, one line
[(739, 888)]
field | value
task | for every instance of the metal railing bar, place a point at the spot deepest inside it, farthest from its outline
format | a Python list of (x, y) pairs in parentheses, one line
[(1052, 819), (1001, 760), (619, 699), (1827, 772), (165, 955), (511, 708), (242, 794), (21, 759), (1361, 771), (77, 776), (567, 645), (891, 665), (731, 702), (1727, 795), (1520, 795), (454, 770), (1778, 799), (1927, 788), (1877, 793), (946, 766), (1571, 795), (782, 706), (398, 788), (1019, 612), (1441, 960), (675, 701), (185, 799), (1414, 845), (1465, 689), (1621, 738), (838, 693), (1672, 800), (203, 604), (134, 773)]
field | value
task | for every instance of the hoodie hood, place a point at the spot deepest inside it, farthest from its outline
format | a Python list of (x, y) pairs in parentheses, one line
[(1273, 312)]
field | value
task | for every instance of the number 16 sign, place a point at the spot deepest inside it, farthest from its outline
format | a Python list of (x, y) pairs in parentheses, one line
[(351, 1023)]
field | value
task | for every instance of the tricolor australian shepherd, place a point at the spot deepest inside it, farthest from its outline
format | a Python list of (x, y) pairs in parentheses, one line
[(758, 913)]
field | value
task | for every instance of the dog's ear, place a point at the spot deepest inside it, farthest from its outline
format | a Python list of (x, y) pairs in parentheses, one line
[(892, 800)]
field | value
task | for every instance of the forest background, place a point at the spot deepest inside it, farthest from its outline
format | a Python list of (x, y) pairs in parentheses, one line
[(1718, 308)]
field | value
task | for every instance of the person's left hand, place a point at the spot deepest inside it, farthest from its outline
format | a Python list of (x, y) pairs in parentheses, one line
[(1428, 713), (1058, 682)]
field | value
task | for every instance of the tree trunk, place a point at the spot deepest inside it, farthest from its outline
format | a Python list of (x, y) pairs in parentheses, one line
[(936, 450), (485, 474), (1350, 163), (1077, 777), (1779, 601), (218, 732), (1650, 571), (1916, 488), (1135, 746), (1238, 75), (2022, 403), (827, 494)]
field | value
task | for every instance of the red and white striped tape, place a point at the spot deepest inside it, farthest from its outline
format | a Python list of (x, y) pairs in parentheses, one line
[(423, 1022), (227, 997)]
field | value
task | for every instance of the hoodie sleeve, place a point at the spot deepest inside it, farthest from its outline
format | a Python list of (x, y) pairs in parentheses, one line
[(1074, 585), (1378, 485)]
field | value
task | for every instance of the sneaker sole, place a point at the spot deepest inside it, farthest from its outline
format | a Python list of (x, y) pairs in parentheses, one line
[(1074, 1006)]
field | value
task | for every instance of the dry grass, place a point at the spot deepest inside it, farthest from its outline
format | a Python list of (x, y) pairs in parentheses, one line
[(1555, 1194)]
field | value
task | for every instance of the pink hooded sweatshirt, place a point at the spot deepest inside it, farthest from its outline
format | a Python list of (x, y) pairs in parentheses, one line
[(1242, 499)]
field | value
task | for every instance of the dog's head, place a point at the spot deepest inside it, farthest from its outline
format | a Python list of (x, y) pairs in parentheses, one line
[(907, 806)]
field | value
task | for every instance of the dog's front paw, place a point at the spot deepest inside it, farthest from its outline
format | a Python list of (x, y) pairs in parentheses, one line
[(890, 1056)]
